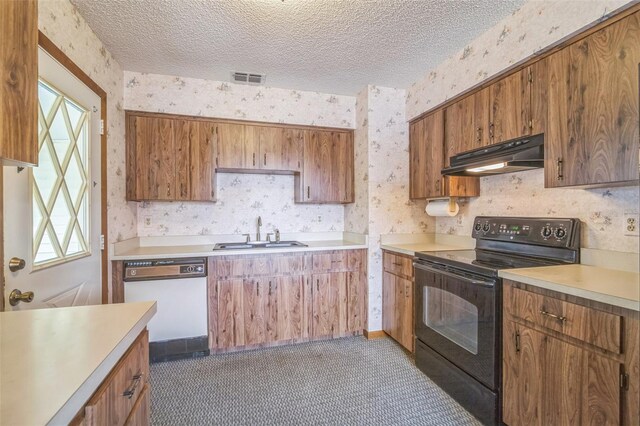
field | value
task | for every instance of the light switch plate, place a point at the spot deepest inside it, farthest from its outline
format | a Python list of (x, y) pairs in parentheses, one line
[(631, 224), (147, 221)]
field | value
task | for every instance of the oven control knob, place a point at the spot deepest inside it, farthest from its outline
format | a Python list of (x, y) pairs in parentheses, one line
[(546, 232), (190, 269), (478, 227), (486, 227), (561, 233)]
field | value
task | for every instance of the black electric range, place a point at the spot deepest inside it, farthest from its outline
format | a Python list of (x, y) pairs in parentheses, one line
[(459, 303)]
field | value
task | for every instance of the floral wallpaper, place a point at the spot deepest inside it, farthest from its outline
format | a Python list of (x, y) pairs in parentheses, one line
[(523, 194), (536, 25), (241, 197), (60, 21), (382, 182)]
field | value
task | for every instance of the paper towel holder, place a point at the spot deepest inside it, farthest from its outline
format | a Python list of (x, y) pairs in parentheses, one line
[(451, 200)]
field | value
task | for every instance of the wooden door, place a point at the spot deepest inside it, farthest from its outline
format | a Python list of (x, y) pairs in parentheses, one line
[(185, 132), (234, 149), (230, 312), (460, 129), (328, 168), (156, 159), (404, 307), (482, 130), (510, 107), (264, 142), (426, 156), (293, 312), (592, 130), (389, 317), (254, 295), (523, 358), (281, 149), (355, 302), (202, 174), (19, 76), (329, 304)]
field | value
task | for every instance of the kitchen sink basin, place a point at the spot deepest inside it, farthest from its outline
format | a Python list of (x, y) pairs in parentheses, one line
[(258, 245)]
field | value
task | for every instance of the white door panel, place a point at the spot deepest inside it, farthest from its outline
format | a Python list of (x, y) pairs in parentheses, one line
[(62, 257)]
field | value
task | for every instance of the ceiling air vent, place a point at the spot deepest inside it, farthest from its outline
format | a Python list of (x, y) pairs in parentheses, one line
[(248, 78)]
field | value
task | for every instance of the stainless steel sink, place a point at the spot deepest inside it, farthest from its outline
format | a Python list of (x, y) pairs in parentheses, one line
[(254, 245)]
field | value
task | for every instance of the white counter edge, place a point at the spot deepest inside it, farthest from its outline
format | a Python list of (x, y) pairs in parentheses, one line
[(80, 397), (621, 302)]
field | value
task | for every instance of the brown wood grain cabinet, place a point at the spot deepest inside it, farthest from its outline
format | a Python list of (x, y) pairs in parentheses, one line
[(578, 367), (398, 298), (327, 171), (19, 82), (592, 125), (275, 299), (426, 160), (123, 397), (510, 107), (169, 159)]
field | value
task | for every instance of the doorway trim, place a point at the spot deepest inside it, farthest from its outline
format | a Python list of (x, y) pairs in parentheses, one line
[(45, 43)]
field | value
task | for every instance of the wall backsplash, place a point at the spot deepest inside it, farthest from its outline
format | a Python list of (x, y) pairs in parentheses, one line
[(523, 194), (241, 197)]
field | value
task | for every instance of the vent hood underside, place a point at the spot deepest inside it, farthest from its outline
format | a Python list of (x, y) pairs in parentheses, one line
[(507, 157)]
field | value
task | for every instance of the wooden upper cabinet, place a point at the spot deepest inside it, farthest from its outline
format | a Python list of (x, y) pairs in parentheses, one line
[(235, 149), (510, 107), (426, 160), (19, 82), (461, 133), (592, 126), (327, 173), (169, 159), (287, 155)]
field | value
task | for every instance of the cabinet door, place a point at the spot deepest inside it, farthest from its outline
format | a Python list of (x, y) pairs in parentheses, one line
[(510, 103), (404, 306), (328, 168), (202, 174), (329, 304), (19, 76), (262, 142), (230, 321), (293, 313), (522, 378), (254, 301), (280, 149), (185, 132), (592, 130), (466, 124), (389, 318), (426, 156), (355, 302), (155, 158), (234, 149)]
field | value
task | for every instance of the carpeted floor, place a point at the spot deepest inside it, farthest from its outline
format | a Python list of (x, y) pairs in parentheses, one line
[(351, 381)]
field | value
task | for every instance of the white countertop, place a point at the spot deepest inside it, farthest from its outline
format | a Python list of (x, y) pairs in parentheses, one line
[(411, 249), (53, 360), (611, 286), (409, 244)]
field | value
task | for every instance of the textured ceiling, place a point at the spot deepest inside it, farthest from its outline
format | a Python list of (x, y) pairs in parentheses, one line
[(332, 46)]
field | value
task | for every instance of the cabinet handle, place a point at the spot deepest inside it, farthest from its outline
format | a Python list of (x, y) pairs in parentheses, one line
[(308, 192), (258, 289), (560, 166), (491, 130), (554, 316), (254, 158), (397, 263), (517, 342), (407, 291), (132, 389), (318, 285), (479, 134), (265, 159), (437, 185), (269, 288), (168, 190)]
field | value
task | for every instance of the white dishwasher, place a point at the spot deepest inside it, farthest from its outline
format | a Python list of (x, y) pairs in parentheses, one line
[(179, 287)]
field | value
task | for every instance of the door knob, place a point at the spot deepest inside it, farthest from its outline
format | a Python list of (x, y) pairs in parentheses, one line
[(16, 264), (17, 296)]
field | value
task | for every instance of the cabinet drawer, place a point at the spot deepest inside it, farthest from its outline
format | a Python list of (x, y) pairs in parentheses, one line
[(256, 266), (595, 327), (141, 412), (398, 265), (118, 394), (334, 261)]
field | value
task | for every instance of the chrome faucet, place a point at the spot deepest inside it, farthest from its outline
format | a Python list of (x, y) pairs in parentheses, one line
[(277, 235), (259, 225)]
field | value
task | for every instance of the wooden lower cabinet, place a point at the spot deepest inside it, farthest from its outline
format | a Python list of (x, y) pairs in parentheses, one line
[(398, 298), (277, 299), (551, 378), (123, 397)]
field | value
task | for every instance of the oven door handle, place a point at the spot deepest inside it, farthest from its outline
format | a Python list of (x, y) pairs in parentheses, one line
[(483, 283)]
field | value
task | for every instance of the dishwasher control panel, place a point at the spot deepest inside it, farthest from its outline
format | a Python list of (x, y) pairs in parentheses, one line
[(161, 269)]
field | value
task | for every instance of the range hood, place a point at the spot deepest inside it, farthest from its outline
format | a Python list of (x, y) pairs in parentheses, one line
[(506, 157)]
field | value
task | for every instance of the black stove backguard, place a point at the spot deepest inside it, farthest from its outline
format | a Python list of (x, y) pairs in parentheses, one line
[(458, 309)]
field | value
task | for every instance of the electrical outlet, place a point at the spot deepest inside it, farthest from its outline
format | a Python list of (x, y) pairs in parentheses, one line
[(147, 221), (631, 224), (319, 218)]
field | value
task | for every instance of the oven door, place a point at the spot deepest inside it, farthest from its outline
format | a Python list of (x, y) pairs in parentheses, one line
[(456, 316)]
